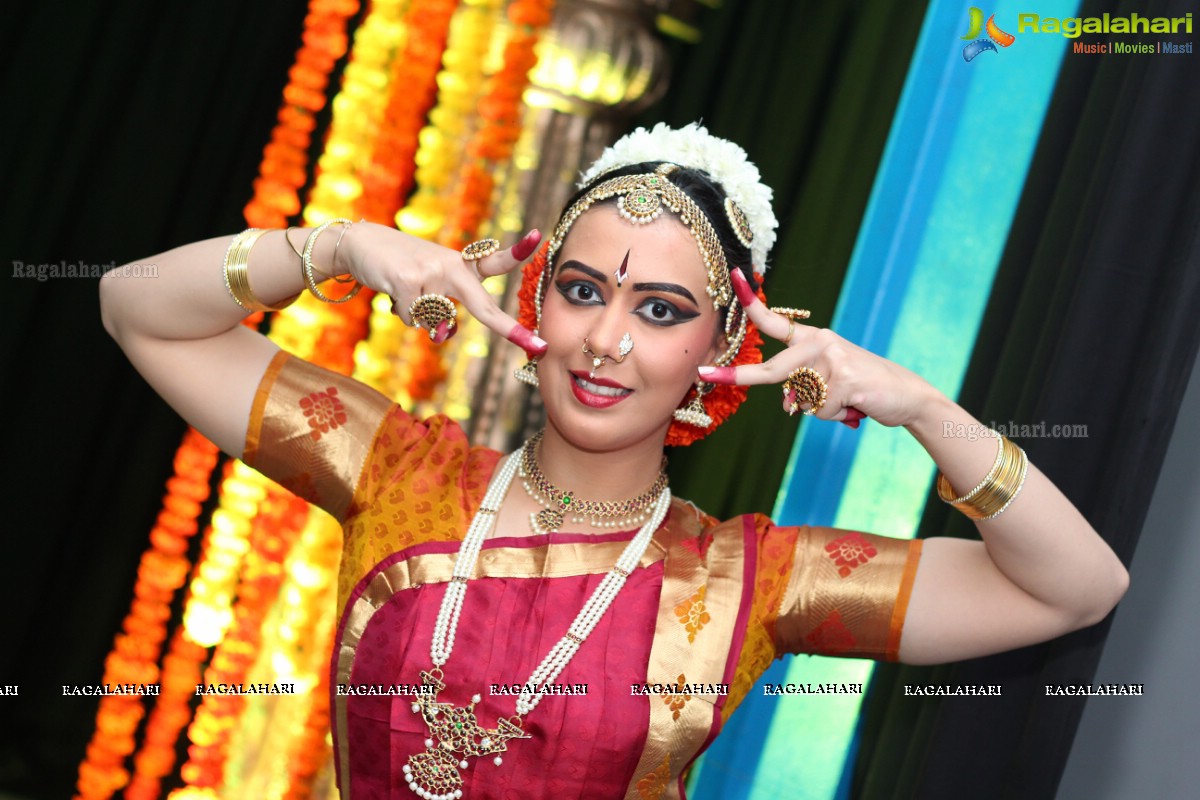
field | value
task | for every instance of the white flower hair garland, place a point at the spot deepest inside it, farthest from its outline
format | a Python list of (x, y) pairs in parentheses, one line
[(692, 146)]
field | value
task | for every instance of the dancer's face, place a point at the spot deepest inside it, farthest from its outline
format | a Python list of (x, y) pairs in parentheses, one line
[(661, 303)]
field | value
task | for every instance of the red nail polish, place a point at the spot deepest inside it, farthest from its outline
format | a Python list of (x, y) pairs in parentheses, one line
[(741, 287), (524, 338), (442, 332), (851, 423), (854, 415), (522, 249), (718, 374)]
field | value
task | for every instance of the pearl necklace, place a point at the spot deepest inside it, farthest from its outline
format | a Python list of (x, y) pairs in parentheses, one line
[(556, 503), (434, 774)]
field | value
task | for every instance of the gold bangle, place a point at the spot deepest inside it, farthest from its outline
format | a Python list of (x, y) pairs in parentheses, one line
[(994, 501), (287, 234), (235, 270), (349, 278), (946, 492), (995, 493), (310, 278)]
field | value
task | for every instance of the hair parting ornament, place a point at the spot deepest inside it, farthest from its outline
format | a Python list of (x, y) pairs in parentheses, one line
[(642, 199)]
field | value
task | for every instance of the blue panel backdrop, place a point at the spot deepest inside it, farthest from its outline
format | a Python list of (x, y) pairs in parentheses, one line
[(923, 264)]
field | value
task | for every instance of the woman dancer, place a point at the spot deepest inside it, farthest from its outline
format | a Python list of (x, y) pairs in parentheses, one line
[(610, 628)]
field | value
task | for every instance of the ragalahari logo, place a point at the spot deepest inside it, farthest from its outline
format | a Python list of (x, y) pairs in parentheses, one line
[(994, 37)]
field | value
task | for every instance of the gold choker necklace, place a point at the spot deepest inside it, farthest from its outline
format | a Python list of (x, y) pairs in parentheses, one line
[(557, 504)]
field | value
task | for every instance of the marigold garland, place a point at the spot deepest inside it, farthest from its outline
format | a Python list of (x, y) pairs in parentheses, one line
[(388, 177), (284, 168), (443, 141), (500, 120), (134, 658), (276, 524), (402, 362), (310, 619), (327, 336), (181, 673), (358, 110), (282, 172), (720, 403)]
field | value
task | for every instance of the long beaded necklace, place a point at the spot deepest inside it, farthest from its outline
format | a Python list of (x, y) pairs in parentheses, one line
[(454, 731), (556, 503)]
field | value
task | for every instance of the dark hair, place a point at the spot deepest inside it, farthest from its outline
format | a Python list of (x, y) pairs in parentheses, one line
[(708, 195)]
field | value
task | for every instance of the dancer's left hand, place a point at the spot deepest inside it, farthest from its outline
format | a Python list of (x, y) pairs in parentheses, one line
[(859, 383)]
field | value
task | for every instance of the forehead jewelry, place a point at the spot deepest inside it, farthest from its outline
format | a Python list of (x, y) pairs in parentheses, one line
[(739, 223), (693, 147), (622, 272), (641, 199)]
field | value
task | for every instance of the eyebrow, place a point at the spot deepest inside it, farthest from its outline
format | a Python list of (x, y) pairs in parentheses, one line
[(595, 274), (585, 269), (670, 288)]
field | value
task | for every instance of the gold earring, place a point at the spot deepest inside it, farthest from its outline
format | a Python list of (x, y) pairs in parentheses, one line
[(694, 413), (528, 374)]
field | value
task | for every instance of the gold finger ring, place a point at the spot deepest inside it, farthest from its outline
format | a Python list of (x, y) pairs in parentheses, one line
[(805, 385), (794, 314), (480, 249), (430, 310)]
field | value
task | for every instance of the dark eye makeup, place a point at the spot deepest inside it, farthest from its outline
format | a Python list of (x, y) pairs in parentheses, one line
[(660, 312), (656, 310), (579, 292)]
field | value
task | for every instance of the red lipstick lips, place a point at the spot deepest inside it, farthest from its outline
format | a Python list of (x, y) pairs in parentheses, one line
[(591, 399)]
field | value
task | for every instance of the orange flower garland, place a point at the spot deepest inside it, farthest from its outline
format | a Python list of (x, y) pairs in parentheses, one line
[(500, 120), (444, 139), (284, 167), (303, 763), (388, 178), (275, 527), (326, 336), (134, 659), (720, 403), (314, 630), (180, 674)]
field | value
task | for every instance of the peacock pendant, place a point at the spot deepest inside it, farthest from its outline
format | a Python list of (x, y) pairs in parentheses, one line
[(454, 736)]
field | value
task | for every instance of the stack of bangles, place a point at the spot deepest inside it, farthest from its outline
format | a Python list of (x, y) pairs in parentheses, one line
[(237, 258), (997, 490)]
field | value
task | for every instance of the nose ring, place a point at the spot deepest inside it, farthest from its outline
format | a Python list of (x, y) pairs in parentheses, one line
[(597, 361), (624, 347)]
